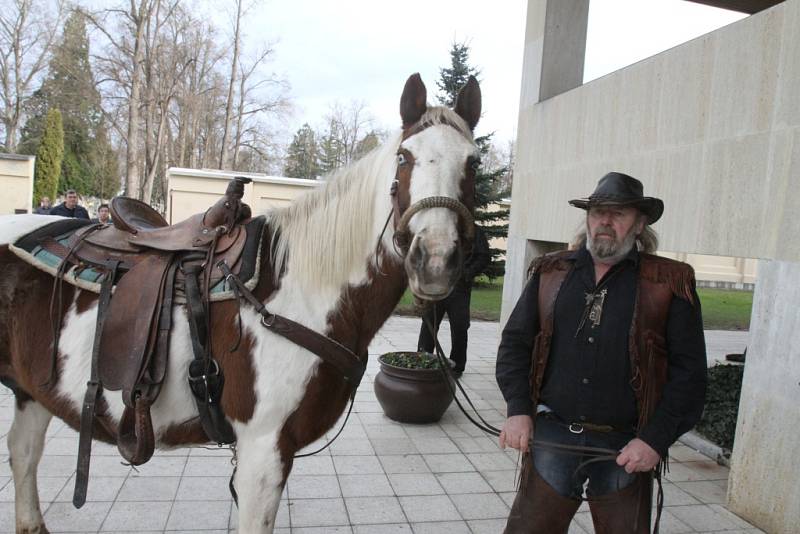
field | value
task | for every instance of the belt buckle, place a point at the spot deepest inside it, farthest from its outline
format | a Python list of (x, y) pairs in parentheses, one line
[(576, 428)]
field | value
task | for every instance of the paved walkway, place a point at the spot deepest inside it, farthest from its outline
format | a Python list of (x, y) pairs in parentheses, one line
[(379, 477)]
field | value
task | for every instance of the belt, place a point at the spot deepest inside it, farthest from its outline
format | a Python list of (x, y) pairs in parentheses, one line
[(579, 428)]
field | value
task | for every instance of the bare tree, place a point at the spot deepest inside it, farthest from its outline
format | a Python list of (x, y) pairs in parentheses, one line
[(224, 157), (27, 31)]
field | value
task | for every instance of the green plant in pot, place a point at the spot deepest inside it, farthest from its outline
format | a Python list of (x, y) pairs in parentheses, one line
[(412, 388)]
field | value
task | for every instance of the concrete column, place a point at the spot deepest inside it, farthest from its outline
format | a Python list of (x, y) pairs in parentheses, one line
[(763, 485), (555, 45)]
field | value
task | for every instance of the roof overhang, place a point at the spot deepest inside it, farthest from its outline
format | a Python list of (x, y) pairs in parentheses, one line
[(743, 6)]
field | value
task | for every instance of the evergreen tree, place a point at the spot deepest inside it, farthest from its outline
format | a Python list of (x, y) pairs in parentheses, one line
[(489, 190), (48, 158), (70, 87), (302, 156), (331, 152)]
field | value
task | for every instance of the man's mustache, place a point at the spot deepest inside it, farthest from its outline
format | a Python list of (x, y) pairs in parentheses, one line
[(605, 231)]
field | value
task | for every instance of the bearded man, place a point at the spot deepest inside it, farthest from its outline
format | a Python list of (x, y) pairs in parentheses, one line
[(603, 350)]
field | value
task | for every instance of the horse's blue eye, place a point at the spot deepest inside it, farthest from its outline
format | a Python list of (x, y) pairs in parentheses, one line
[(401, 159)]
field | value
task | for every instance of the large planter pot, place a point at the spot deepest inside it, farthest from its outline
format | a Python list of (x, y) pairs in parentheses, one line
[(412, 395)]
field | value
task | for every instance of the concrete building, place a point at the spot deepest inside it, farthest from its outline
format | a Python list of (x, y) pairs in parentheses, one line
[(192, 191), (16, 179), (713, 128)]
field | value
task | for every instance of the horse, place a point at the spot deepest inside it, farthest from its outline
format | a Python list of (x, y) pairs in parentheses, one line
[(336, 261)]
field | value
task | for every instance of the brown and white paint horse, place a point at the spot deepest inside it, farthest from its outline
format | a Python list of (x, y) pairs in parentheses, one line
[(327, 272)]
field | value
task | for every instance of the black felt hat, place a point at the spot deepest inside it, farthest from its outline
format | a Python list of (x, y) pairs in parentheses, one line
[(618, 189)]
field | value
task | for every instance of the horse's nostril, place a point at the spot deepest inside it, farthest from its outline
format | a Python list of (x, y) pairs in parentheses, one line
[(417, 254)]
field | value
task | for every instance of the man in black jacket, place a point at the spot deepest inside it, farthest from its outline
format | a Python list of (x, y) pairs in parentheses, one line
[(456, 306), (70, 207), (604, 350)]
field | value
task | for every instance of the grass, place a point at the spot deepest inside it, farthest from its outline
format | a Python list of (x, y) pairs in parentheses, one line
[(723, 309)]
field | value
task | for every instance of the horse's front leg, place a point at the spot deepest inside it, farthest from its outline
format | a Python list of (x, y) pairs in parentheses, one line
[(259, 483), (25, 446)]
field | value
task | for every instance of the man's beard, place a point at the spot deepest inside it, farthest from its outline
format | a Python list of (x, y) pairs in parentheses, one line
[(609, 251)]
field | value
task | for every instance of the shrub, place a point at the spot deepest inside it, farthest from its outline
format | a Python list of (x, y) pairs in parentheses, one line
[(411, 360), (718, 423)]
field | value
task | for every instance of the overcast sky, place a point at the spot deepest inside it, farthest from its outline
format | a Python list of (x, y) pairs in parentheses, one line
[(365, 49)]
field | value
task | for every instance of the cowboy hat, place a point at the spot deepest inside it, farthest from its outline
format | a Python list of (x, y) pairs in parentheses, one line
[(618, 189)]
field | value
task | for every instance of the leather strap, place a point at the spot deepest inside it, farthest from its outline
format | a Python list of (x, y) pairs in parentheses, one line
[(93, 391), (329, 350), (205, 375)]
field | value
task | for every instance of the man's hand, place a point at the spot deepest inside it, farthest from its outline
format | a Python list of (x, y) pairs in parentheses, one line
[(516, 432), (638, 456)]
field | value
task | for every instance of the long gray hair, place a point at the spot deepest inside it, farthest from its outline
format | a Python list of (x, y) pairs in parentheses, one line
[(646, 242)]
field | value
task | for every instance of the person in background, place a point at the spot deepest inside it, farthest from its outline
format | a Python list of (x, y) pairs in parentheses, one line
[(103, 214), (603, 351), (456, 306), (70, 207), (44, 206)]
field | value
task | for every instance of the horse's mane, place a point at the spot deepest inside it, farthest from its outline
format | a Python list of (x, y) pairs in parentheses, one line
[(328, 232)]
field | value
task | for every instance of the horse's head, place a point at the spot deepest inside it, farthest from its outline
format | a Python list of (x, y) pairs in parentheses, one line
[(435, 187)]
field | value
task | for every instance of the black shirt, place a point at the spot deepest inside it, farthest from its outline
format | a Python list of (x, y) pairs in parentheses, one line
[(78, 212), (588, 372)]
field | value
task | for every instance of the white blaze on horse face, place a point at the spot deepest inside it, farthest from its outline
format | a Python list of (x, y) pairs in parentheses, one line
[(433, 263)]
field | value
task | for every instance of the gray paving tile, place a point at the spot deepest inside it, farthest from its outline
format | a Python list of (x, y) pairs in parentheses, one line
[(490, 461), (100, 489), (393, 446), (435, 445), (405, 463), (423, 509), (505, 480), (352, 446), (672, 525), (397, 528), (49, 488), (376, 485), (313, 487), (441, 527), (674, 495), (415, 484), (317, 513), (149, 489), (63, 517), (480, 506), (488, 526), (137, 516), (704, 491), (367, 510), (448, 463), (7, 521), (313, 465), (702, 517), (321, 530), (454, 483), (199, 515), (216, 466), (357, 465), (203, 489)]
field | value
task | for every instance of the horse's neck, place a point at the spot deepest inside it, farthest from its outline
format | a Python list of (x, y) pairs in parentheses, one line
[(364, 308)]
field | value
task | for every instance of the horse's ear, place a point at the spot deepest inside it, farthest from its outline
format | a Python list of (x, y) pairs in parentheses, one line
[(468, 102), (413, 103)]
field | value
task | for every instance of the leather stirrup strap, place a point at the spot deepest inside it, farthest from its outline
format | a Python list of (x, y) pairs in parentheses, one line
[(135, 440), (205, 375), (93, 391)]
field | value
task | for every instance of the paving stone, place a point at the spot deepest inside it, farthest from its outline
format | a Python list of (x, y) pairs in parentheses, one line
[(435, 445), (487, 526), (397, 528), (448, 463), (149, 489), (317, 512), (406, 463), (357, 465), (704, 491), (367, 510), (63, 517), (376, 485), (490, 461), (480, 506), (393, 446), (136, 516), (199, 515), (320, 530), (415, 484), (455, 483), (313, 487), (204, 489), (421, 509), (702, 517), (352, 447), (441, 527), (49, 488)]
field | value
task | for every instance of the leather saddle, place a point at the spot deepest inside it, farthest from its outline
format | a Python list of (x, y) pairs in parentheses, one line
[(153, 266)]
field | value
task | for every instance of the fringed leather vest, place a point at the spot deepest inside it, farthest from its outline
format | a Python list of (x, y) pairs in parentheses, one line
[(659, 280)]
